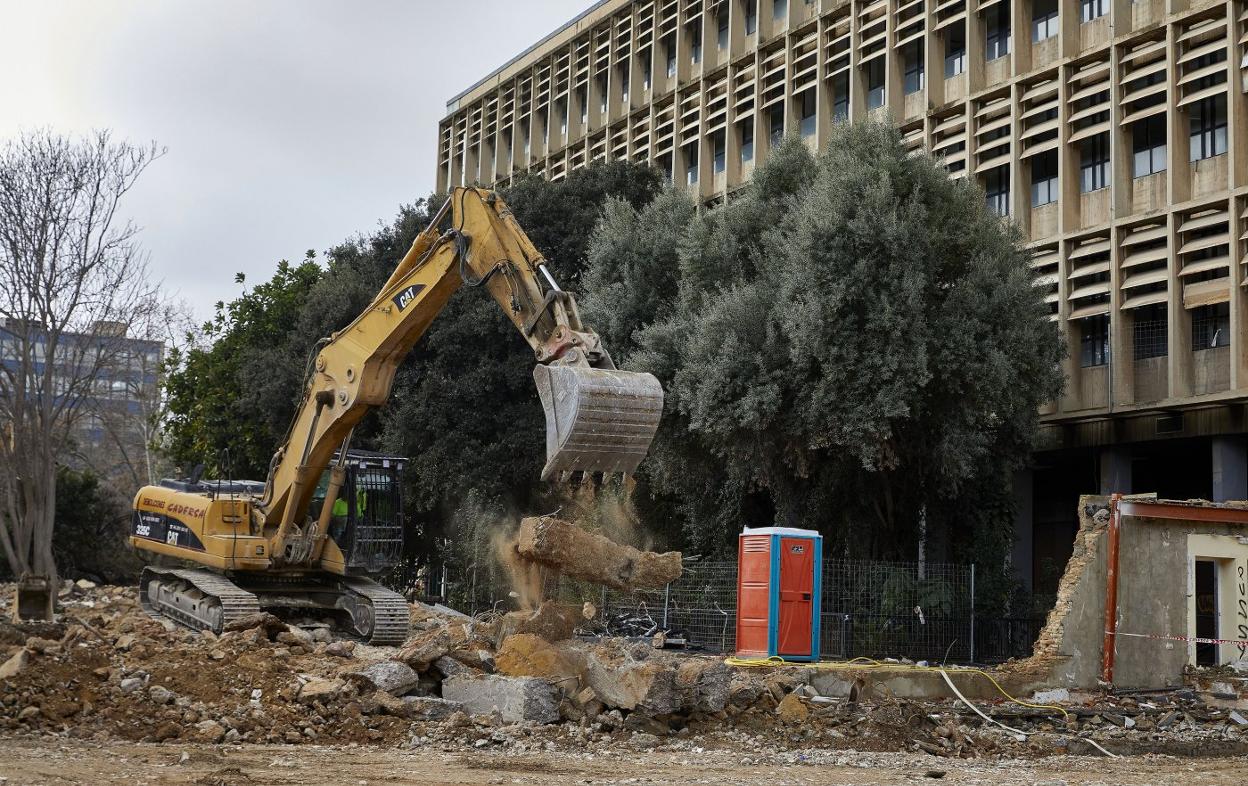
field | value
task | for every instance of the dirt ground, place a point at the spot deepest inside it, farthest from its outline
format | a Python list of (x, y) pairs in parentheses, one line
[(46, 762)]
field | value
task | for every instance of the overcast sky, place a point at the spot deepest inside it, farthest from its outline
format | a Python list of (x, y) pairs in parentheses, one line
[(290, 124)]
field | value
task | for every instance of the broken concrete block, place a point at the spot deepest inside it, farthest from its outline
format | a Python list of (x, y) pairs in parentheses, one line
[(584, 555), (391, 705), (426, 647), (620, 681), (703, 685), (319, 689), (1053, 696), (431, 707), (792, 709), (552, 621), (515, 698), (14, 665), (389, 676), (449, 667), (527, 655)]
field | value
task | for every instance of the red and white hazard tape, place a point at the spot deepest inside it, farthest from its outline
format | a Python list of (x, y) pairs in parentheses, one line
[(1193, 639)]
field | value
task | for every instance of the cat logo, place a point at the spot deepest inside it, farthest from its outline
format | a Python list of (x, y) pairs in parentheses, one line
[(405, 298)]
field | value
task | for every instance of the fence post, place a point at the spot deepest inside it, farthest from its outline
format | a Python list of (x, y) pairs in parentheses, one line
[(972, 612), (667, 594)]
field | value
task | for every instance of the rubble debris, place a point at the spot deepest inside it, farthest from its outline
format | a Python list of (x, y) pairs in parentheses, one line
[(166, 686), (584, 555), (514, 698), (552, 621), (389, 676)]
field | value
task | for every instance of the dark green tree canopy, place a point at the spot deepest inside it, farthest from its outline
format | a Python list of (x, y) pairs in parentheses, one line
[(854, 337)]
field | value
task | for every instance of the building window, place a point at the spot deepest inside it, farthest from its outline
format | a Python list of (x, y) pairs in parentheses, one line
[(718, 143), (1208, 127), (691, 155), (779, 9), (723, 27), (997, 189), (777, 125), (646, 70), (1044, 178), (1043, 20), (1148, 143), (747, 140), (1092, 9), (808, 112), (1211, 326), (913, 71), (562, 108), (1094, 163), (602, 94), (955, 50), (1094, 341), (1150, 326), (875, 83), (751, 17), (671, 59), (997, 31), (624, 84), (840, 96), (695, 40), (582, 101)]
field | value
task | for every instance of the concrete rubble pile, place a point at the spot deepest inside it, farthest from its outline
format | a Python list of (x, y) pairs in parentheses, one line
[(521, 681)]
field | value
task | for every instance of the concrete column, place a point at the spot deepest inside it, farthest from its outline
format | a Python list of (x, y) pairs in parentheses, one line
[(1115, 469), (1021, 558), (1230, 468)]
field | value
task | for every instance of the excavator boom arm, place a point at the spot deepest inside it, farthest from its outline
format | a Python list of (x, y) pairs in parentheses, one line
[(599, 419)]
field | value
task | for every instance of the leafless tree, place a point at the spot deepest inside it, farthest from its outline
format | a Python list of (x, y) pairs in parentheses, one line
[(74, 284)]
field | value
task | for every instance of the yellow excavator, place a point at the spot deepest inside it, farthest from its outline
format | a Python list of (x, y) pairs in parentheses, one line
[(314, 535)]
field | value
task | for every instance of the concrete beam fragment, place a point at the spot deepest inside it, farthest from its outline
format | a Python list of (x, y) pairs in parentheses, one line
[(584, 555), (517, 699)]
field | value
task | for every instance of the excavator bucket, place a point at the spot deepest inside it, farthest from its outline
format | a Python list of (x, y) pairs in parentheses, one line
[(597, 420)]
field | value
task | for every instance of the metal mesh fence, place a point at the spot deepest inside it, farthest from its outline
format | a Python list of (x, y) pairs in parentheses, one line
[(869, 608)]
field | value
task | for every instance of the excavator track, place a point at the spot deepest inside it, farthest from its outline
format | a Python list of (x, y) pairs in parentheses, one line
[(204, 600), (391, 614), (198, 599)]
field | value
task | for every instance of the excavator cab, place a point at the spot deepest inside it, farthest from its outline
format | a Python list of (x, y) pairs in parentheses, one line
[(367, 515)]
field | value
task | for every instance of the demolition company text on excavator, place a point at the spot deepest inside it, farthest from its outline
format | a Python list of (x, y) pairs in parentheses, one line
[(327, 518)]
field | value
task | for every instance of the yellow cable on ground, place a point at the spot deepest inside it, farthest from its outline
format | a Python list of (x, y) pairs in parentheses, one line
[(868, 663)]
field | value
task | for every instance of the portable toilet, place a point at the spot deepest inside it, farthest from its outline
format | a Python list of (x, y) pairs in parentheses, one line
[(779, 573)]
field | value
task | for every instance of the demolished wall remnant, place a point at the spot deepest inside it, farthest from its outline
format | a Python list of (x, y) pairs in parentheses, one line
[(1159, 540)]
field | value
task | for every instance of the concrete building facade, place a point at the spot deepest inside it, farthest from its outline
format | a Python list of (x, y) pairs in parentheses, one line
[(1113, 132)]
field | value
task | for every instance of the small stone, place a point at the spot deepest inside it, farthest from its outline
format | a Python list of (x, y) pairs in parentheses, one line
[(14, 665), (217, 655), (84, 584), (341, 649), (28, 713), (124, 642), (160, 694), (131, 684), (209, 731)]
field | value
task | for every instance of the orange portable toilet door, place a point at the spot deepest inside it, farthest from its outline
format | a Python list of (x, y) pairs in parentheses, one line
[(797, 577)]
